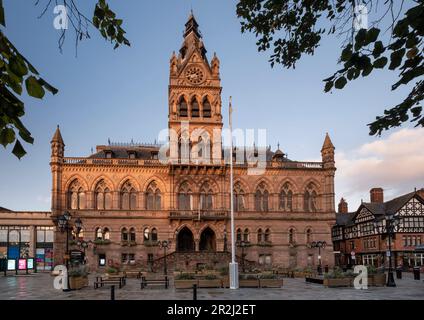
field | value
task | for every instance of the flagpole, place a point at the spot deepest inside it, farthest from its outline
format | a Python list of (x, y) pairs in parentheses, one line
[(234, 283)]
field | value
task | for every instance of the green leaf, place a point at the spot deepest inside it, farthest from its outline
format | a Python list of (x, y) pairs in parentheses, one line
[(347, 53), (380, 63), (340, 83), (34, 88), (378, 49), (7, 136), (48, 86), (18, 66), (367, 70), (18, 150), (396, 59), (328, 86), (26, 136), (372, 35), (360, 39)]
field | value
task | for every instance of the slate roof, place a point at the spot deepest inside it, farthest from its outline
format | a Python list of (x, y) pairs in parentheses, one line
[(377, 209), (5, 210)]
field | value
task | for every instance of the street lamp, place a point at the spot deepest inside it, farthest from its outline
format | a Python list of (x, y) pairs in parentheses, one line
[(242, 244), (164, 244), (319, 245), (63, 224), (391, 223)]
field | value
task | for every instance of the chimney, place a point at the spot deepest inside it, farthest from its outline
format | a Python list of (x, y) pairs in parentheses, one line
[(343, 207), (377, 195)]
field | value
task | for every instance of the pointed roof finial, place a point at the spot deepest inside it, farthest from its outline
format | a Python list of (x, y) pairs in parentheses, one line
[(327, 143), (278, 145), (57, 137)]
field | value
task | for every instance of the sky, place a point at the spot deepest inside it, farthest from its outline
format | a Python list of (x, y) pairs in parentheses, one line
[(123, 94)]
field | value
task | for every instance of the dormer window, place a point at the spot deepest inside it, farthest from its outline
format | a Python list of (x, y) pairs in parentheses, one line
[(154, 155), (108, 154), (131, 154)]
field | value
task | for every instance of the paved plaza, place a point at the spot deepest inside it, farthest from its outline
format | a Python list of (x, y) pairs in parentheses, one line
[(40, 287)]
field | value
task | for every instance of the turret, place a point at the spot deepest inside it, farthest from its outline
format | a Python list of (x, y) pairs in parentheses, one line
[(56, 161), (215, 65), (327, 152)]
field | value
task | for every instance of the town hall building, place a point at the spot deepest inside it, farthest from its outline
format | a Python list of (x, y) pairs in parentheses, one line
[(128, 202)]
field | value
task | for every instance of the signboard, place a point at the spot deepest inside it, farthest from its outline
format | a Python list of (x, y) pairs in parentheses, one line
[(77, 256), (30, 263), (11, 265), (22, 264), (388, 254)]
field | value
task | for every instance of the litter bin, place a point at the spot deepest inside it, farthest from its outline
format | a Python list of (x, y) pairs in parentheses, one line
[(416, 273), (398, 273)]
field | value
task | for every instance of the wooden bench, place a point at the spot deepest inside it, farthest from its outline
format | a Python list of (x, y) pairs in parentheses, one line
[(101, 281), (135, 274), (154, 282)]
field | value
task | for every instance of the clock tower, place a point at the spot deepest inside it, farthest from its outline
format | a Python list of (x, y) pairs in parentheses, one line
[(195, 96)]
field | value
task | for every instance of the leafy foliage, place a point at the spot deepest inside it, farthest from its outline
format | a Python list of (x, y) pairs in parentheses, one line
[(363, 52), (17, 73)]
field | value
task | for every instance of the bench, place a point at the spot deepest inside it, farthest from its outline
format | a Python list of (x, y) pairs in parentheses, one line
[(154, 282), (133, 274), (100, 281)]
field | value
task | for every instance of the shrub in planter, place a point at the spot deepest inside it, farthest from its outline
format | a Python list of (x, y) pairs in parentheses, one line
[(78, 276), (112, 270), (185, 281)]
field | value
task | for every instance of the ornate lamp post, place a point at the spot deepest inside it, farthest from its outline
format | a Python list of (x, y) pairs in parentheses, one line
[(164, 244), (391, 223), (63, 224), (319, 245)]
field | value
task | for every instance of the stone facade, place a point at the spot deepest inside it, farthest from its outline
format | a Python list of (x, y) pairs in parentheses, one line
[(128, 199)]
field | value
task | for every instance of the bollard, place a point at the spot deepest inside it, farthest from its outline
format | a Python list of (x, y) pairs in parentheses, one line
[(112, 293), (194, 292), (416, 272), (166, 282)]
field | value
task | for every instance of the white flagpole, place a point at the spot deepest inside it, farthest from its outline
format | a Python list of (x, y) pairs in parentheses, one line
[(234, 283)]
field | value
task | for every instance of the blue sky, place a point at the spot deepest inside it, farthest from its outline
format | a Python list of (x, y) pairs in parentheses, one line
[(122, 94)]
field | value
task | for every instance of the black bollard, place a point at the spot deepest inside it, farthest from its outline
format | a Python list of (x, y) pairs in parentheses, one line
[(194, 292), (112, 293)]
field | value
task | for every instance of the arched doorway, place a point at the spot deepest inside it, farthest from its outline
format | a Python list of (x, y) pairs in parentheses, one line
[(185, 240), (207, 240)]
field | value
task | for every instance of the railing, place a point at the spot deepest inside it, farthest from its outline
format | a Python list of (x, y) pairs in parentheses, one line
[(195, 214), (156, 162), (110, 162)]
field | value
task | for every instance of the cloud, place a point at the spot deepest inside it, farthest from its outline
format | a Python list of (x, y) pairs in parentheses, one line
[(395, 163)]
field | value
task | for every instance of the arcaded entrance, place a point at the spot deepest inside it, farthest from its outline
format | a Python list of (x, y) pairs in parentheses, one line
[(185, 240), (207, 240)]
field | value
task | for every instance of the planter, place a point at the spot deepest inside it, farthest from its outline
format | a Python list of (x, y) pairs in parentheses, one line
[(271, 283), (76, 283), (214, 283), (335, 283), (377, 280), (249, 283), (184, 284)]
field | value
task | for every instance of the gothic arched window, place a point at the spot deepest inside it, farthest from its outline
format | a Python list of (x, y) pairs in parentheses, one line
[(239, 204), (238, 237), (153, 198), (246, 235), (182, 108), (103, 196), (185, 197), (267, 235), (308, 236), (106, 234), (146, 234), (286, 198), (124, 234), (207, 110), (132, 234), (128, 197), (291, 236), (260, 236), (261, 198), (206, 197), (99, 234), (310, 199), (76, 196), (195, 111), (154, 235)]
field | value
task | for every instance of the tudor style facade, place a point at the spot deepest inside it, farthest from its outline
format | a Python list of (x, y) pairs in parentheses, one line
[(358, 236), (128, 199)]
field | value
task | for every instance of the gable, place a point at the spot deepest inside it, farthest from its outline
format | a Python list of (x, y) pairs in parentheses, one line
[(364, 215), (413, 207)]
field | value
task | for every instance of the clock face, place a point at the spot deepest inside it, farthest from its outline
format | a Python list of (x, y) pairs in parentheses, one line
[(194, 75)]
